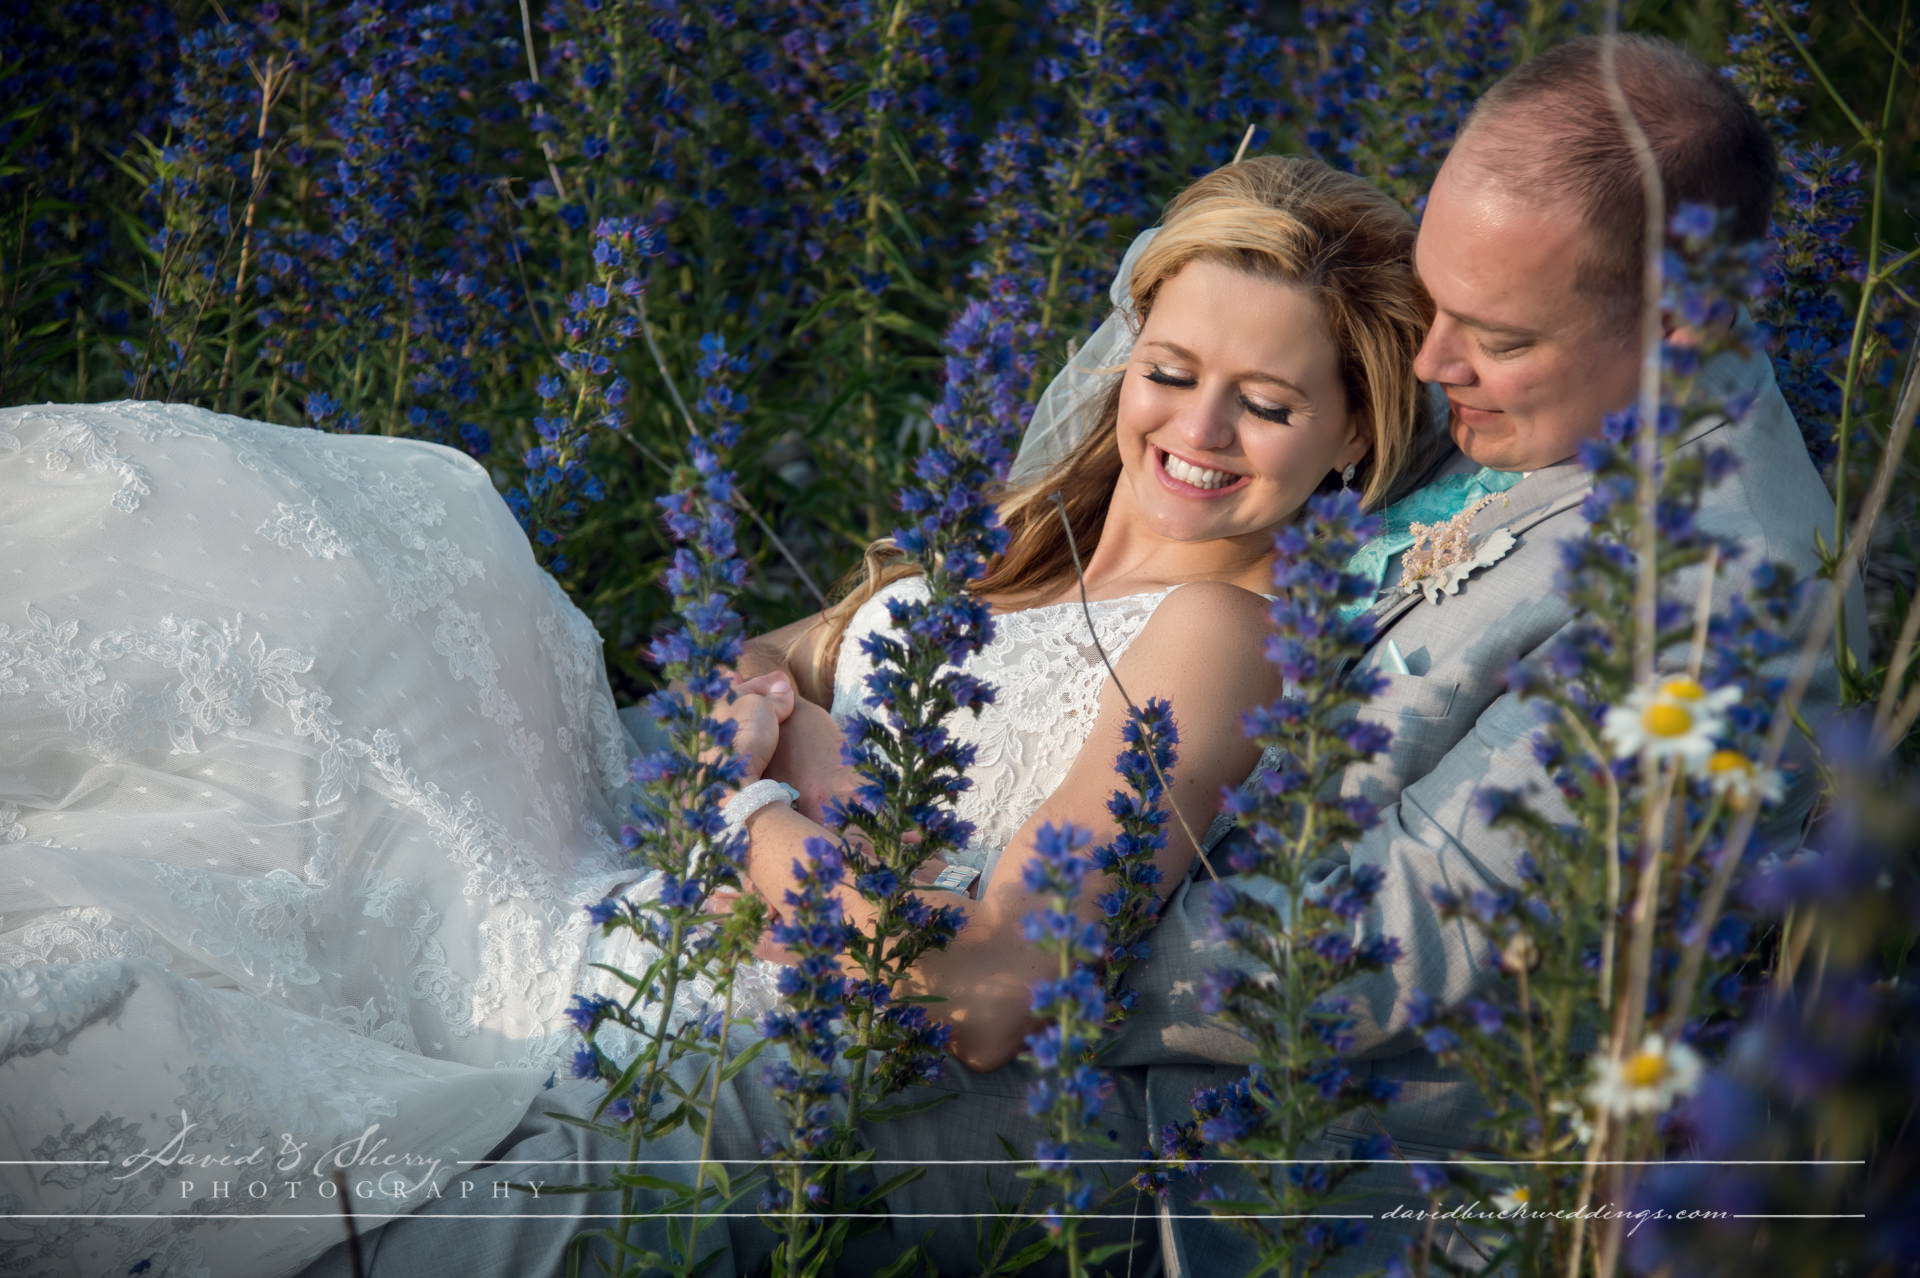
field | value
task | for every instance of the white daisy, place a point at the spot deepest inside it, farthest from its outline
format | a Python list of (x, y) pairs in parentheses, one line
[(1676, 718), (1579, 1126), (1510, 1200), (1739, 780), (1646, 1081)]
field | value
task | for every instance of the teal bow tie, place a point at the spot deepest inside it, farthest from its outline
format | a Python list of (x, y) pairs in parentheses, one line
[(1433, 503)]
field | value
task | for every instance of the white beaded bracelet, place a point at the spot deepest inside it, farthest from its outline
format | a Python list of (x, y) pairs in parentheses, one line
[(734, 813)]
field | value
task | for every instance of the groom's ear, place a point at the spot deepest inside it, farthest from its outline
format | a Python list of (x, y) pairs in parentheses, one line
[(1690, 335)]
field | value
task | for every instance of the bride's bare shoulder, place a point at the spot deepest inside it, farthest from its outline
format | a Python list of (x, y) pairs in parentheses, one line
[(1220, 603), (1214, 629)]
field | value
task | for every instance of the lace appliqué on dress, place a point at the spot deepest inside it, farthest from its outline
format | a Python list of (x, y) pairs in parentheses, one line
[(1047, 675), (220, 676)]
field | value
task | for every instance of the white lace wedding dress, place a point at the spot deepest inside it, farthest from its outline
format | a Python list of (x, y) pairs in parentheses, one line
[(307, 775)]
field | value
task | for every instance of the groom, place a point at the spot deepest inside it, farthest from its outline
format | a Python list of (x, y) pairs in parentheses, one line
[(1530, 247)]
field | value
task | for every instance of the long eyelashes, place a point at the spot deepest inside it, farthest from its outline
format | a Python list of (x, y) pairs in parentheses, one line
[(1160, 377), (1279, 416)]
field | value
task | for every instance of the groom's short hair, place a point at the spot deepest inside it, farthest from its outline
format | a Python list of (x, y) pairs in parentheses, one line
[(1549, 130)]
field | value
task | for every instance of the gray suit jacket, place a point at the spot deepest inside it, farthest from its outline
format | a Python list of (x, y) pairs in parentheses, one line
[(1455, 731)]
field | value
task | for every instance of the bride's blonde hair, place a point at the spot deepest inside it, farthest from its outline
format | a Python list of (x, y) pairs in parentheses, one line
[(1288, 219)]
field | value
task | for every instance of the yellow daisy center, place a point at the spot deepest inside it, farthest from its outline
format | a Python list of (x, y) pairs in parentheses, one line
[(1665, 719), (1729, 761), (1520, 1194), (1644, 1069), (1685, 688)]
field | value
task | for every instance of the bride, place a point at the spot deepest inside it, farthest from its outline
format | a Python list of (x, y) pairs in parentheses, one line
[(308, 773)]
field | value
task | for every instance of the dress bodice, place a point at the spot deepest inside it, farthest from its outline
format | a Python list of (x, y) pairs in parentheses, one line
[(1047, 676)]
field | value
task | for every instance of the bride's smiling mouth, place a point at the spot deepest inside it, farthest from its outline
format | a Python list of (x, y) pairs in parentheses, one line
[(1192, 479)]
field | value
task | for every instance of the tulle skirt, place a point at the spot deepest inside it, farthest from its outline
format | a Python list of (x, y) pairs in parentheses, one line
[(307, 775)]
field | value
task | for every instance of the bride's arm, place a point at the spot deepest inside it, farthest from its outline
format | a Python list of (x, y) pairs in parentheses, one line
[(1203, 652)]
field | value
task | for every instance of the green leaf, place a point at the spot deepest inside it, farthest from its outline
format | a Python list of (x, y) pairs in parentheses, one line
[(898, 323), (1031, 1254), (744, 1059), (548, 1191), (915, 1258), (910, 1107), (1099, 1254), (1234, 1206), (659, 1184), (706, 1262), (880, 1191)]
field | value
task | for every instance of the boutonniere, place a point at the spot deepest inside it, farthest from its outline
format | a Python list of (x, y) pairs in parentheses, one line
[(1442, 555)]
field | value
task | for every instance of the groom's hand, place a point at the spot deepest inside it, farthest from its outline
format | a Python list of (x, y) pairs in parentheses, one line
[(760, 706), (808, 759)]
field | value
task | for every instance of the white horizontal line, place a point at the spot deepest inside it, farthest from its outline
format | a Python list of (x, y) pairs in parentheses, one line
[(1096, 1162), (744, 1215), (359, 1216), (1202, 1158), (54, 1162)]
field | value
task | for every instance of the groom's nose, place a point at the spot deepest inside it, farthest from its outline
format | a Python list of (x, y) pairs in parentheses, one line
[(1443, 356)]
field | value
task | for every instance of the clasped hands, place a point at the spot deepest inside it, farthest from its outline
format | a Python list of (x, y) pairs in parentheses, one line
[(781, 735), (777, 733)]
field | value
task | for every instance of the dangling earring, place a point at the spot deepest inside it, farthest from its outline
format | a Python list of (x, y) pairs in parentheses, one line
[(1346, 476)]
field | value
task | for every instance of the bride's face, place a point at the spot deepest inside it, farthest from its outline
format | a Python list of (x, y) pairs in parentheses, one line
[(1232, 411)]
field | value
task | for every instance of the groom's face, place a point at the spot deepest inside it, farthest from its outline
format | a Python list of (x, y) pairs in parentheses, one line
[(1530, 365)]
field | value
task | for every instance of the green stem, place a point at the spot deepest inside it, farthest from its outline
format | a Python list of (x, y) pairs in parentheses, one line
[(1699, 840), (796, 1190), (358, 381), (257, 185), (870, 260), (1866, 24), (205, 298), (1070, 1225), (1813, 65), (1894, 266), (656, 1050), (400, 354), (1857, 347), (709, 308), (706, 1134), (1076, 175), (533, 74)]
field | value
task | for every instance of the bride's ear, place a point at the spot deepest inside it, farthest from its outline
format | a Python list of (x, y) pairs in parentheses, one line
[(1359, 444)]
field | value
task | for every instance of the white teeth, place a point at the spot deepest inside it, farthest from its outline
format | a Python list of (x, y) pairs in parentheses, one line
[(1187, 473)]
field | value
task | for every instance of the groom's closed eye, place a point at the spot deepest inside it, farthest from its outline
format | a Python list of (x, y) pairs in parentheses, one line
[(1495, 350)]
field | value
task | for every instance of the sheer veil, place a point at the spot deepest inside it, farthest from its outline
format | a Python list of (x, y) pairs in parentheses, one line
[(1065, 410)]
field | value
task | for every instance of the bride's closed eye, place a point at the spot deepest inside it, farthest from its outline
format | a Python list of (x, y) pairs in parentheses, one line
[(1279, 414)]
